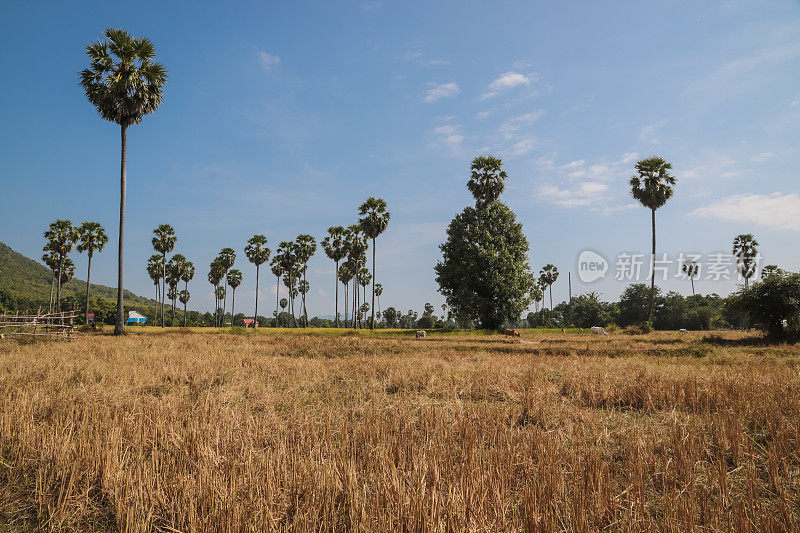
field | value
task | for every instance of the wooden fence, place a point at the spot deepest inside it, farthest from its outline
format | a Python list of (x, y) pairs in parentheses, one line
[(54, 325)]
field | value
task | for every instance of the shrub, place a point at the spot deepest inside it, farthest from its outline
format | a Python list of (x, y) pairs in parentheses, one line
[(771, 305)]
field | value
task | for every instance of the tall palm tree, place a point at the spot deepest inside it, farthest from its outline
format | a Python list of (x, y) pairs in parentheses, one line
[(228, 257), (234, 279), (67, 271), (164, 240), (187, 273), (364, 279), (173, 272), (690, 268), (91, 238), (215, 275), (154, 271), (547, 276), (183, 297), (276, 266), (745, 248), (305, 247), (336, 249), (303, 288), (374, 220), (61, 237), (124, 84), (357, 254), (346, 273), (258, 254), (536, 296), (487, 179), (51, 260), (289, 263), (219, 292), (652, 187), (283, 303), (378, 292)]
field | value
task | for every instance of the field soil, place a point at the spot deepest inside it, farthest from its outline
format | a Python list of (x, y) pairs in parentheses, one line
[(280, 430)]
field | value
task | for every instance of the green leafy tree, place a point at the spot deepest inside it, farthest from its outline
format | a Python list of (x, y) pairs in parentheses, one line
[(234, 280), (634, 304), (547, 276), (745, 248), (183, 297), (537, 294), (164, 240), (335, 246), (258, 254), (484, 272), (772, 304), (61, 237), (124, 83), (374, 221), (390, 315), (652, 187), (91, 238), (305, 248), (691, 269)]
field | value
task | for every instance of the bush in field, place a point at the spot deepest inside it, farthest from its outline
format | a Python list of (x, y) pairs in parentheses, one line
[(426, 322), (771, 305)]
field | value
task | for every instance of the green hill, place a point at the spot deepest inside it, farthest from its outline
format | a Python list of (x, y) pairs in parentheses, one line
[(28, 281)]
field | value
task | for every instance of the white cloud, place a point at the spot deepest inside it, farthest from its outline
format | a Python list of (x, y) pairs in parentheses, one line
[(777, 210), (443, 90), (522, 147), (268, 60), (508, 80), (578, 163), (584, 194), (795, 101), (483, 114), (763, 156), (510, 128), (629, 157), (449, 136)]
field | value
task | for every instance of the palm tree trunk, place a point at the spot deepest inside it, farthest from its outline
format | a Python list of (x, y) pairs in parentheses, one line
[(225, 300), (346, 304), (52, 289), (233, 305), (186, 286), (172, 319), (58, 291), (88, 276), (119, 327), (692, 280), (652, 267), (277, 298), (336, 289), (163, 284), (255, 312), (551, 296), (305, 309), (372, 322)]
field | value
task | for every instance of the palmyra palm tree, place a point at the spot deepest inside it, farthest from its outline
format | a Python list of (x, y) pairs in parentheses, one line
[(183, 297), (303, 288), (487, 179), (154, 271), (547, 276), (67, 271), (536, 296), (124, 84), (346, 273), (277, 270), (336, 249), (91, 238), (691, 269), (357, 254), (374, 220), (61, 237), (378, 292), (227, 256), (364, 279), (215, 274), (51, 260), (283, 303), (258, 254), (234, 279), (652, 187), (305, 247), (174, 270), (219, 293), (289, 263), (745, 248), (187, 274), (164, 240)]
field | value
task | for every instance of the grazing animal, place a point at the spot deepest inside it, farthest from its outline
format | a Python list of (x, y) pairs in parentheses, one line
[(683, 330), (511, 333), (597, 330), (420, 334)]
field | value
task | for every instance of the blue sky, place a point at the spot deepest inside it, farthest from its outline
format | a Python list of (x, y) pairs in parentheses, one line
[(280, 118)]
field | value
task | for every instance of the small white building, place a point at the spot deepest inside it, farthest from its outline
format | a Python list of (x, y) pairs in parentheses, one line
[(136, 318)]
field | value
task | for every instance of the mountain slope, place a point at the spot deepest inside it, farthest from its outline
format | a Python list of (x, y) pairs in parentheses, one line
[(22, 277)]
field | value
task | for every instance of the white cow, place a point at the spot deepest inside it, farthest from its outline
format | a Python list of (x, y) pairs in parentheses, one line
[(597, 330), (420, 334)]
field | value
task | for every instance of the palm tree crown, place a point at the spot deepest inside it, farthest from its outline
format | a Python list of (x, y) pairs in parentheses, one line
[(652, 186), (122, 81), (745, 248), (487, 179)]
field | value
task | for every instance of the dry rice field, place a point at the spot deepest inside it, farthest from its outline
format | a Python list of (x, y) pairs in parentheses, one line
[(288, 431)]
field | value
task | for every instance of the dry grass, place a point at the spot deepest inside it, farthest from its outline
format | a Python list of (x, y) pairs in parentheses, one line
[(284, 431)]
